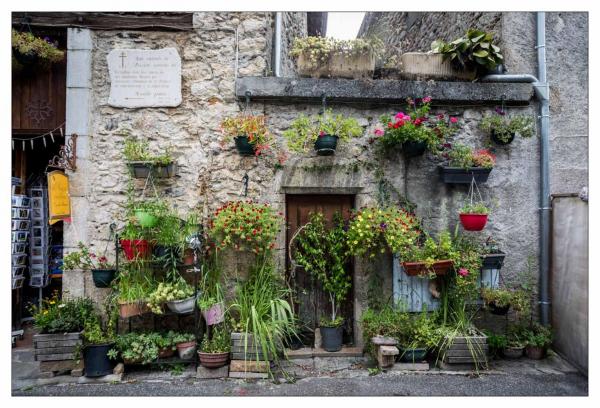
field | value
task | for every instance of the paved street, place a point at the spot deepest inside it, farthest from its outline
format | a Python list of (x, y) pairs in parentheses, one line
[(390, 384)]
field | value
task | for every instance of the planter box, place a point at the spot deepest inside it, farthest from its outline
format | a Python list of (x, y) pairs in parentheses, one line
[(144, 169), (56, 347), (353, 67), (419, 268), (127, 310), (422, 66), (467, 350), (242, 351), (493, 261), (458, 175)]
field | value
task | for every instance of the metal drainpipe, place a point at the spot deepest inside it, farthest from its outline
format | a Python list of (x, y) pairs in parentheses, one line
[(277, 45), (542, 92)]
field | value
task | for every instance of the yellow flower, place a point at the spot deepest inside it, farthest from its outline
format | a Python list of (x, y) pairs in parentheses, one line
[(45, 312)]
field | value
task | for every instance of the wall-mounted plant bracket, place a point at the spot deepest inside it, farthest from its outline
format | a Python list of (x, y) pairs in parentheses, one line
[(67, 155)]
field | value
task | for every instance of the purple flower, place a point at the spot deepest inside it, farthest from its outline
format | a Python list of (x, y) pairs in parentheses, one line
[(499, 111), (383, 225)]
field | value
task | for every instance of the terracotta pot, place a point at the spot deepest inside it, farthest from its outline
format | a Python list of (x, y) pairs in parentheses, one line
[(213, 360), (420, 268), (535, 352), (166, 352), (132, 309), (188, 257), (186, 350), (473, 222), (137, 248)]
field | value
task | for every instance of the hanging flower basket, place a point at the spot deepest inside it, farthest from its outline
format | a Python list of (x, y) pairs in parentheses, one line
[(414, 149), (473, 222), (103, 277), (142, 169), (459, 175), (136, 248), (325, 145), (243, 146), (497, 310), (499, 141), (420, 268)]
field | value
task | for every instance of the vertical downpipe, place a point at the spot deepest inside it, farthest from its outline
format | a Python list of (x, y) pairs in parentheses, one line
[(277, 45), (545, 205)]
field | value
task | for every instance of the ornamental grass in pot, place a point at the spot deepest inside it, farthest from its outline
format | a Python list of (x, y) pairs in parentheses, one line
[(321, 132), (415, 131), (214, 351), (133, 288), (502, 129)]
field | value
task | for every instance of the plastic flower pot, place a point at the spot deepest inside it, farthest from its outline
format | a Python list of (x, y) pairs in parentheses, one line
[(139, 169), (497, 140), (414, 149), (243, 146), (213, 360), (27, 59), (473, 222), (459, 175), (413, 355), (182, 306), (214, 314), (95, 360), (165, 171), (420, 268), (103, 277), (325, 145), (331, 338), (131, 309), (166, 352), (186, 350), (535, 352), (136, 248), (146, 219), (513, 352), (498, 311)]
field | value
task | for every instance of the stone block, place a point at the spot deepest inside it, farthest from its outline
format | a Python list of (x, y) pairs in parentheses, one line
[(110, 378), (386, 356), (384, 341), (241, 374), (253, 366), (207, 373), (422, 366)]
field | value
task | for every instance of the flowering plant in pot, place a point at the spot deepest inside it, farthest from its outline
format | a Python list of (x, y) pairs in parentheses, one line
[(142, 163), (415, 131), (463, 164), (30, 50), (178, 296), (323, 254), (245, 226), (430, 259), (214, 351), (373, 230), (321, 132), (503, 129), (249, 132), (56, 315), (474, 216), (186, 345), (103, 271)]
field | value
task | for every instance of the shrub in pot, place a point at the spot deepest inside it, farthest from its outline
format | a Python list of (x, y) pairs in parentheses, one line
[(214, 351), (497, 343), (386, 321), (136, 348), (323, 254), (416, 131), (142, 163), (321, 132), (29, 50), (165, 343), (419, 338), (464, 164), (178, 296), (474, 216), (503, 129), (186, 345), (474, 51), (103, 272)]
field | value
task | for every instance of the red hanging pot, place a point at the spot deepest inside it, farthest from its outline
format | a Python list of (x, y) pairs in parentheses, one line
[(137, 248), (473, 222)]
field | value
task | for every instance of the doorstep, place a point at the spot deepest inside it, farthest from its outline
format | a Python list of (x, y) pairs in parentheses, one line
[(308, 352)]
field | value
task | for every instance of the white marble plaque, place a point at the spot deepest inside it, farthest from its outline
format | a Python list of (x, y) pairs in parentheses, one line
[(144, 78)]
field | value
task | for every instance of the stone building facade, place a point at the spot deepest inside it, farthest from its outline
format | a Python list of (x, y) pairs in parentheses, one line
[(225, 46)]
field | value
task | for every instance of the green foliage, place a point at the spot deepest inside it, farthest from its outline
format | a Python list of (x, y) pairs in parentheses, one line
[(137, 347), (62, 316), (372, 230), (184, 338), (219, 343), (26, 43), (506, 126), (304, 131), (496, 343), (169, 291), (464, 157), (139, 150), (431, 251), (323, 253), (252, 126), (474, 208), (318, 50), (475, 50), (133, 283), (421, 332), (84, 259), (538, 336), (331, 322), (389, 322), (497, 297)]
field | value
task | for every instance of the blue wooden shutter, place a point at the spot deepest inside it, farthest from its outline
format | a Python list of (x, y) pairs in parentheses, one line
[(412, 291)]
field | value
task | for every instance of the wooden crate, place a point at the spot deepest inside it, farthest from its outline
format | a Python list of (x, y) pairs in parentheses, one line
[(467, 350), (245, 350), (56, 353)]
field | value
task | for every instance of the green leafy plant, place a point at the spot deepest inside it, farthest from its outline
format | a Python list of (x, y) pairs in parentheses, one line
[(184, 338), (504, 127), (421, 332), (372, 230), (538, 336), (323, 253), (462, 156), (139, 151), (415, 126), (318, 50), (56, 315), (304, 131), (167, 292), (389, 321), (84, 259), (46, 51), (498, 297), (475, 50), (431, 251), (136, 347), (474, 208), (496, 343), (219, 343)]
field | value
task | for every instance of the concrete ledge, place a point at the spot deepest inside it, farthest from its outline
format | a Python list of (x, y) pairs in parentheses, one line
[(382, 90), (422, 366), (319, 352)]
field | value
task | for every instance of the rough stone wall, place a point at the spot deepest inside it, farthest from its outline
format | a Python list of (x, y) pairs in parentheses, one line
[(293, 25)]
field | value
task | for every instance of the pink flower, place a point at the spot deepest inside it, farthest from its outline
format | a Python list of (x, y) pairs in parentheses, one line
[(440, 116), (401, 116), (463, 272), (453, 120), (427, 99), (379, 132), (321, 133), (418, 121)]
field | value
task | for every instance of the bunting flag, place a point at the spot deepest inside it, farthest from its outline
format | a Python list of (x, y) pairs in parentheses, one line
[(34, 138)]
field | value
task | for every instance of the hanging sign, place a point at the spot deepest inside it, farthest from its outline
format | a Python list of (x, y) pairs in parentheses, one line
[(59, 203)]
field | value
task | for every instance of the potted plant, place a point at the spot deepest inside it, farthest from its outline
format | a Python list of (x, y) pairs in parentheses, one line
[(415, 131), (430, 65), (142, 163), (388, 321), (475, 51), (474, 216), (132, 290), (515, 341), (249, 132), (103, 272), (420, 337), (214, 351), (178, 296), (323, 254), (323, 57), (133, 242), (322, 132), (465, 164), (213, 309), (136, 348), (433, 258), (186, 345), (148, 213), (98, 341), (537, 340), (28, 50), (166, 345), (496, 343), (497, 300), (373, 230), (502, 129)]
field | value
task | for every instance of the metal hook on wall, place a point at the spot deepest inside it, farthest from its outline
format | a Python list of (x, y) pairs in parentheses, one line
[(323, 103), (245, 180), (248, 94)]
